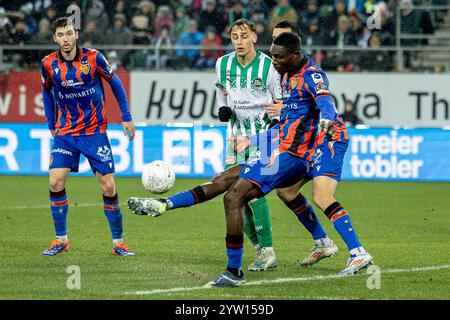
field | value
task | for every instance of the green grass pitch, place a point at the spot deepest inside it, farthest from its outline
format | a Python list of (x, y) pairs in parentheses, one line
[(405, 226)]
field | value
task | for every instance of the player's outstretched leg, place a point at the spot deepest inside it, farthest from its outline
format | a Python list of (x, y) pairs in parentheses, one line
[(323, 193), (59, 206), (187, 198), (265, 256), (300, 206)]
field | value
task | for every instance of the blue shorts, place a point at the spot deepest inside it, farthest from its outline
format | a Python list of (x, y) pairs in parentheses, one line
[(284, 170), (328, 160), (66, 150)]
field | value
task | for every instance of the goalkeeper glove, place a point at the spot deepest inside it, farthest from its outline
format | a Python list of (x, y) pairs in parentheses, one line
[(225, 114)]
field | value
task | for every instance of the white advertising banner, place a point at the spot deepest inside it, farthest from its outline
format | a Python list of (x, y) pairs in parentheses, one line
[(380, 99)]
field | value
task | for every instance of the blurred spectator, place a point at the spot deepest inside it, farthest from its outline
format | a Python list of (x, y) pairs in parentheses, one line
[(350, 116), (344, 35), (90, 34), (115, 61), (192, 37), (181, 21), (19, 34), (141, 28), (264, 36), (259, 6), (208, 58), (120, 34), (375, 60), (121, 8), (312, 13), (332, 18), (211, 16), (414, 22), (147, 8), (237, 12), (44, 34), (166, 54), (5, 27), (96, 11), (313, 36), (164, 17), (363, 40), (358, 5), (51, 14), (282, 11)]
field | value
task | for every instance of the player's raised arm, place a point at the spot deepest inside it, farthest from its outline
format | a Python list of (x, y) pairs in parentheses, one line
[(318, 85), (47, 97), (106, 72), (221, 94)]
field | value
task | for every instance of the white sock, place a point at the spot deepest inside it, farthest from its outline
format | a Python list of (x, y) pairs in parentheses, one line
[(323, 242), (358, 251), (62, 238), (117, 241)]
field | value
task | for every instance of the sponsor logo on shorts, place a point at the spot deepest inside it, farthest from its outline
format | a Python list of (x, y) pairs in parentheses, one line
[(62, 151)]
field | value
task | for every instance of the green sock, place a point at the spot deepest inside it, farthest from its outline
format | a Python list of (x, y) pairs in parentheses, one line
[(250, 230), (263, 225)]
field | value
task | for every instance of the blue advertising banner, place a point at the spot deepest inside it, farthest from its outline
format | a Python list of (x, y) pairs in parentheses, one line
[(198, 152)]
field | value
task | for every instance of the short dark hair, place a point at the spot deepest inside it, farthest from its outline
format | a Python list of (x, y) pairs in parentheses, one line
[(285, 24), (242, 23), (61, 23), (288, 40)]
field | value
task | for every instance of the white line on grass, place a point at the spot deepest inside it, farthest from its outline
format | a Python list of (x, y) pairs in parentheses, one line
[(46, 206), (41, 206), (283, 280)]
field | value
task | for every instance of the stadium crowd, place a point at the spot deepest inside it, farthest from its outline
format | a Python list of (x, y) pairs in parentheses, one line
[(205, 23)]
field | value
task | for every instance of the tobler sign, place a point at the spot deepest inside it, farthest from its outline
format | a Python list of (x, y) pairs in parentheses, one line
[(21, 97)]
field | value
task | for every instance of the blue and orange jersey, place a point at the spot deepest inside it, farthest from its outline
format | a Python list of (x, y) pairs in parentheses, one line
[(307, 99), (77, 90)]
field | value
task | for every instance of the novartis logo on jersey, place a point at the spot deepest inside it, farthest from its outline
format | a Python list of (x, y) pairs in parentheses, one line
[(70, 83), (75, 95)]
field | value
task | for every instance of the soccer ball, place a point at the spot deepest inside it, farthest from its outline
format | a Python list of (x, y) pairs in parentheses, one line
[(158, 177)]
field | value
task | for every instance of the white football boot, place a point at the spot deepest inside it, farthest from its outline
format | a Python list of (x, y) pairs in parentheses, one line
[(319, 252)]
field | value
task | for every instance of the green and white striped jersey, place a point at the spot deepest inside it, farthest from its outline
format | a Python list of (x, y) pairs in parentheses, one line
[(248, 90)]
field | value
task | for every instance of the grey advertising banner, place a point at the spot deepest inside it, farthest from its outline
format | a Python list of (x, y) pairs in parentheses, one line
[(381, 99)]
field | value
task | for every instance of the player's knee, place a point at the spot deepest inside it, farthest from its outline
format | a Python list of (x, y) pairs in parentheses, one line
[(56, 184), (322, 199), (108, 188), (286, 195)]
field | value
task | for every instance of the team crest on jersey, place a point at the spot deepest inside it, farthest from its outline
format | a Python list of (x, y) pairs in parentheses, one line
[(85, 67), (257, 83), (104, 153)]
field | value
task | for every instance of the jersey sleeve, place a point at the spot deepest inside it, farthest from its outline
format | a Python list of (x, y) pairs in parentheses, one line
[(274, 83), (45, 77), (47, 97), (103, 67), (220, 88), (317, 84)]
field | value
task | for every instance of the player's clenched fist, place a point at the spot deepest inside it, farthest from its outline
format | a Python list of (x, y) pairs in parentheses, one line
[(328, 127), (238, 144)]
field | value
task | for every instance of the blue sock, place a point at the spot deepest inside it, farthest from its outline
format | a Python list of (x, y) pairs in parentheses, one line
[(112, 211), (341, 221), (305, 214), (235, 251), (180, 199), (59, 205)]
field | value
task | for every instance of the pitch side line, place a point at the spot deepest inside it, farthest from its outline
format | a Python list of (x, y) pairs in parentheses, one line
[(283, 280), (46, 206), (41, 206)]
